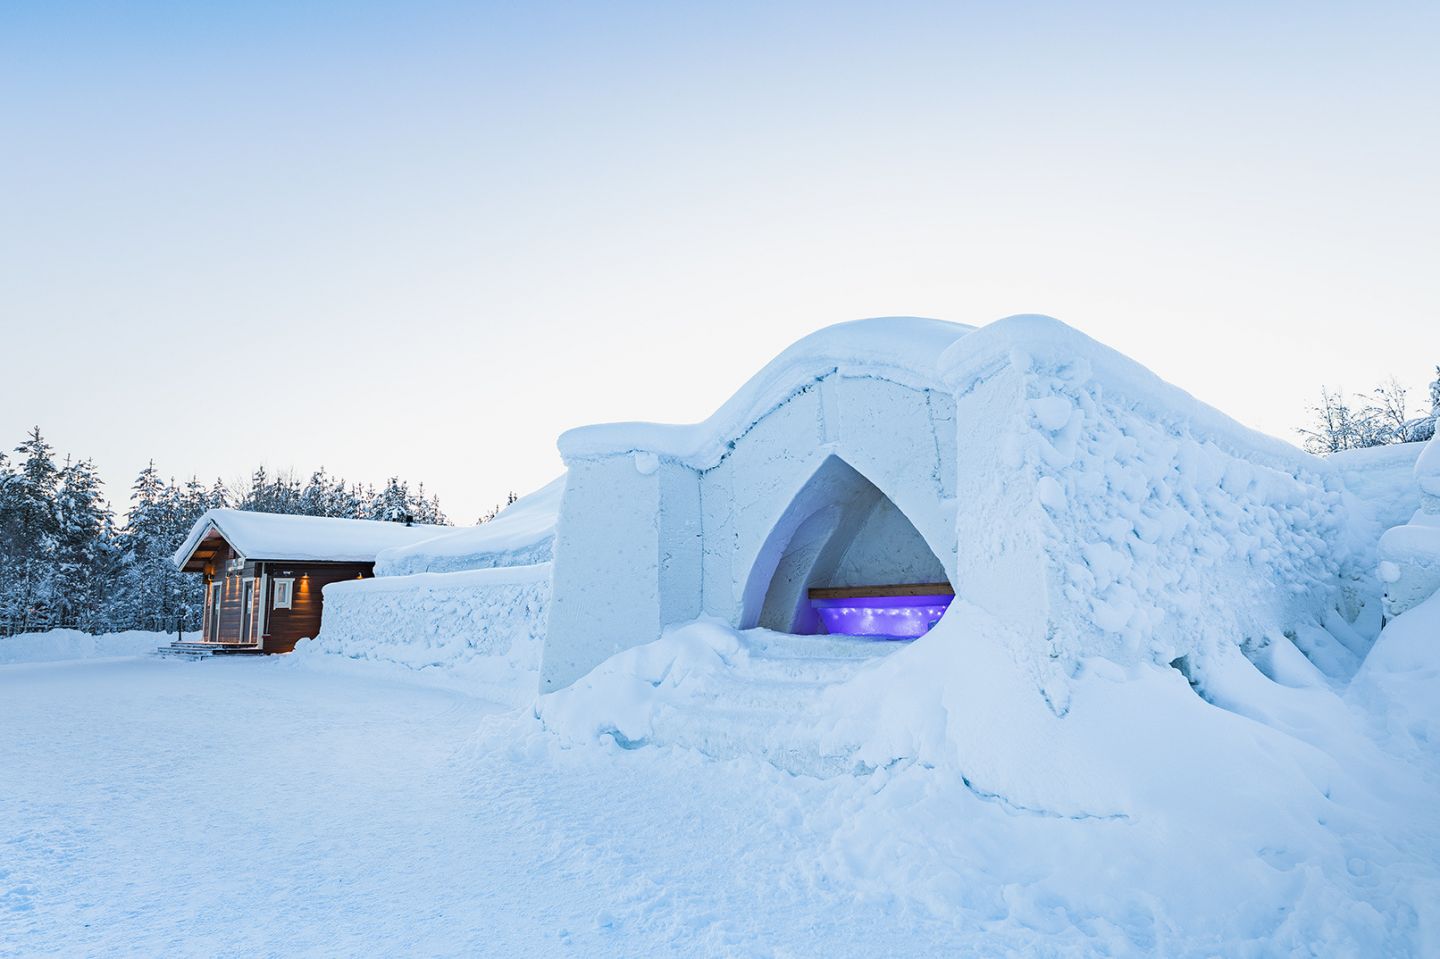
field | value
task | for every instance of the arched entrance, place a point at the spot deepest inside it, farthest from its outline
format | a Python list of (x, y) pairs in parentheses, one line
[(839, 531)]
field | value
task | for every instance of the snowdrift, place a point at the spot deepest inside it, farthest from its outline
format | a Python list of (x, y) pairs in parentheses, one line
[(61, 644)]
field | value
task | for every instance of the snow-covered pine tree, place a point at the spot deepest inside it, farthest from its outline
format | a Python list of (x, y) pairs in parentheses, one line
[(27, 594), (87, 565), (496, 510), (393, 503)]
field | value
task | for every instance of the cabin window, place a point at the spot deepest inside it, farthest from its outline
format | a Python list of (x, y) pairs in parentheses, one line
[(284, 589)]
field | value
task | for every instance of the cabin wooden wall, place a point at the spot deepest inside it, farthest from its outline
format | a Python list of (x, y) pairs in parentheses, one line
[(287, 627), (232, 595), (283, 628)]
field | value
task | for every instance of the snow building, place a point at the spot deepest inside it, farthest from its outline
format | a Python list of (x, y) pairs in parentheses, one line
[(873, 475), (1021, 466), (265, 573)]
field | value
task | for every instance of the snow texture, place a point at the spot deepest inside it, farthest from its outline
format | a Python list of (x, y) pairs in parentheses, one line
[(1409, 553), (281, 536), (1383, 478), (62, 644), (521, 535), (480, 629)]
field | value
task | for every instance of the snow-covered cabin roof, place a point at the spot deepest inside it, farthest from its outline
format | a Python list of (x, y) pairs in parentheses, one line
[(520, 535), (318, 539)]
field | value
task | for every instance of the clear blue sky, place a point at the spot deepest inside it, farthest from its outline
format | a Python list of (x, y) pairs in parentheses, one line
[(425, 238)]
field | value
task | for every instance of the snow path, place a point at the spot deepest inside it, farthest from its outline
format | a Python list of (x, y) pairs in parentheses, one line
[(253, 808)]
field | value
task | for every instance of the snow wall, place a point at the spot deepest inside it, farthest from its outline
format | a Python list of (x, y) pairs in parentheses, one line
[(1117, 516), (483, 628), (1063, 488), (1410, 552)]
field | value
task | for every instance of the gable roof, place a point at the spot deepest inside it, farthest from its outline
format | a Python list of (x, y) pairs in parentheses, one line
[(320, 539)]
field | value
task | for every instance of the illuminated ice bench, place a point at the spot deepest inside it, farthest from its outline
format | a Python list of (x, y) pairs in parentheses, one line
[(882, 612)]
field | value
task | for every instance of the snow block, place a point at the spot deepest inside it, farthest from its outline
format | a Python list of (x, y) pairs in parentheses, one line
[(483, 628)]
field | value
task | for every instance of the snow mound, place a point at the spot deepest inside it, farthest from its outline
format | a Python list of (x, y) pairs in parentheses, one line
[(1211, 813), (521, 535), (1400, 678), (723, 692), (901, 348), (480, 629), (61, 644), (282, 536)]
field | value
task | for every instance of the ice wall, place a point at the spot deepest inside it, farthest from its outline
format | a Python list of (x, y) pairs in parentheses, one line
[(481, 628), (648, 538)]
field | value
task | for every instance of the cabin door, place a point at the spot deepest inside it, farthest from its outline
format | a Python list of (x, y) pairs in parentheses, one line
[(212, 624), (246, 611)]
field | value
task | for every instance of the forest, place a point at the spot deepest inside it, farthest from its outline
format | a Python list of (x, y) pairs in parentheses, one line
[(68, 560)]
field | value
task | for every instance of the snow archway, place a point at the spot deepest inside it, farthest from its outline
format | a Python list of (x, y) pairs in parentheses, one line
[(839, 530)]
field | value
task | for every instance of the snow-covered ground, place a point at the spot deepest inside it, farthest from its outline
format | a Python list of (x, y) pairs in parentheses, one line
[(315, 805), (60, 644)]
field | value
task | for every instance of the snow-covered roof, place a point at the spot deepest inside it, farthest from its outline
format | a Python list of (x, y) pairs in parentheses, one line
[(519, 535), (320, 539), (902, 348)]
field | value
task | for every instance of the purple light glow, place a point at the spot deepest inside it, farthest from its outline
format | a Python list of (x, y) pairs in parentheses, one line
[(881, 617)]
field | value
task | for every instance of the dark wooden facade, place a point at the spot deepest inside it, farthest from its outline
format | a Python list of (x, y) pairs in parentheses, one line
[(241, 596)]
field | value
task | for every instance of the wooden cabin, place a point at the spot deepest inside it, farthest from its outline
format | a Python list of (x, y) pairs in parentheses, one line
[(265, 573)]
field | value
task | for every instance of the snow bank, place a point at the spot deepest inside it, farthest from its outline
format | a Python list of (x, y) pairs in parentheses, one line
[(521, 535), (1161, 814), (1257, 818), (481, 629), (59, 644), (1383, 478)]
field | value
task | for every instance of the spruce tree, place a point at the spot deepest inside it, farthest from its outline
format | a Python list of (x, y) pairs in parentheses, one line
[(87, 564)]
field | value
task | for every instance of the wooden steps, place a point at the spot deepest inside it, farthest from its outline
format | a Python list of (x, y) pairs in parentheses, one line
[(182, 650)]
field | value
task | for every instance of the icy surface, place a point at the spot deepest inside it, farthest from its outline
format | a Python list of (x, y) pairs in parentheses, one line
[(315, 538), (521, 535)]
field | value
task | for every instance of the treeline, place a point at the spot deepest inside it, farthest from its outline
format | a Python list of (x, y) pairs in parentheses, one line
[(67, 560), (1378, 418)]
